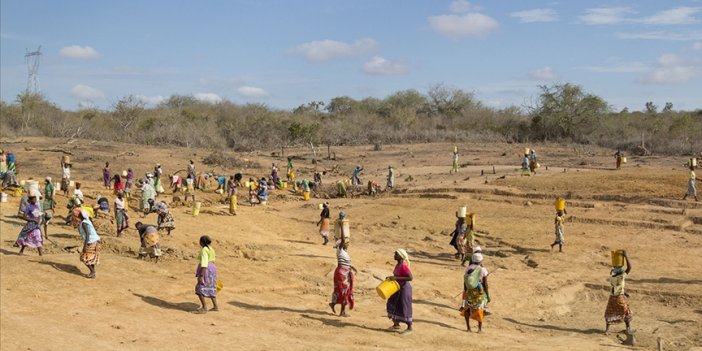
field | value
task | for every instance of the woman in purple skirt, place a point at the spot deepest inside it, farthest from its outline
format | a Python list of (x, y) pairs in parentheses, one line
[(399, 305)]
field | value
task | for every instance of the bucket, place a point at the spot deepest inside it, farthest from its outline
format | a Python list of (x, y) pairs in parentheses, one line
[(17, 192), (559, 204), (455, 149), (72, 183), (462, 211), (617, 258), (232, 204), (472, 219), (23, 182), (343, 229), (347, 181), (66, 159), (33, 186), (692, 162), (219, 191), (306, 195), (124, 174), (196, 208), (387, 288), (624, 159), (3, 197), (285, 185), (526, 150), (91, 211), (57, 186), (321, 206)]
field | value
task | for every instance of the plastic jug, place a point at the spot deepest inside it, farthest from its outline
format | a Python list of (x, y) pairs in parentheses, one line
[(559, 204), (196, 208), (387, 288), (617, 258)]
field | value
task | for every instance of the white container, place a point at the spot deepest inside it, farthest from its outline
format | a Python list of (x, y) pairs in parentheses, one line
[(33, 187), (124, 174), (57, 186), (462, 211), (3, 197), (693, 162), (72, 183), (23, 182)]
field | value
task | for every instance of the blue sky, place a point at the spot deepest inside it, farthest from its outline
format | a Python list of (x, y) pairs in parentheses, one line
[(287, 53)]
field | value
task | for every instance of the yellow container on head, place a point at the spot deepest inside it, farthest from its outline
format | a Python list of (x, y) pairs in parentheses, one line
[(559, 204), (617, 258)]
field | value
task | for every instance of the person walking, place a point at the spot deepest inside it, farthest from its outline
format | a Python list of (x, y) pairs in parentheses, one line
[(106, 176), (206, 275), (343, 279), (560, 240), (399, 305), (90, 256), (475, 292), (324, 222), (618, 310), (691, 185), (30, 235)]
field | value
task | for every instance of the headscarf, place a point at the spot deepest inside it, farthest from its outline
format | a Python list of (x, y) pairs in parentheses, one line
[(477, 249), (342, 215), (617, 270), (85, 214), (48, 179), (403, 254), (477, 257)]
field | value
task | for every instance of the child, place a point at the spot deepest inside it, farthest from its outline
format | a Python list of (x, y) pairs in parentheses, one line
[(560, 241)]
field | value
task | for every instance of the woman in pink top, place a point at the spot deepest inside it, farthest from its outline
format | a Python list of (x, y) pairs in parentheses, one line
[(399, 305)]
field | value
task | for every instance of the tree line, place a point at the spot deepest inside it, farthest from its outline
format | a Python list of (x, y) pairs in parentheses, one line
[(560, 113)]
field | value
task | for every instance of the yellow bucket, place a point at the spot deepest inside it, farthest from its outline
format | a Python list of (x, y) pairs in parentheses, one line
[(285, 185), (387, 288), (196, 208), (617, 258), (559, 204), (306, 195), (232, 204), (17, 192)]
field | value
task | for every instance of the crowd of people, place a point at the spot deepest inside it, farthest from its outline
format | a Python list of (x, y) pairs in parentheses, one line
[(475, 294)]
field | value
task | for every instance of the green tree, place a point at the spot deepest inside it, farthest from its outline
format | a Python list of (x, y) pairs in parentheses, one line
[(566, 110)]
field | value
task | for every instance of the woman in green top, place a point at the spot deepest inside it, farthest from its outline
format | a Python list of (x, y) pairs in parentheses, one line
[(206, 275), (49, 203)]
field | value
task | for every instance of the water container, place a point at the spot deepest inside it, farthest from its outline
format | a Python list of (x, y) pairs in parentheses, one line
[(462, 211), (196, 208), (692, 162), (66, 159), (72, 183), (321, 206), (306, 195), (124, 174), (387, 288), (624, 159), (232, 204), (57, 186), (23, 182), (559, 204), (285, 184), (455, 149), (526, 150), (219, 191), (33, 186), (3, 197), (617, 258), (472, 219)]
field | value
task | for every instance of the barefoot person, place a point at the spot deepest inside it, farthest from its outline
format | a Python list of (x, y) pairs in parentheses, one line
[(90, 256), (324, 222), (106, 176), (206, 275), (617, 308), (475, 292), (343, 279), (458, 236), (691, 185), (30, 235), (49, 203), (560, 241), (165, 219), (399, 305)]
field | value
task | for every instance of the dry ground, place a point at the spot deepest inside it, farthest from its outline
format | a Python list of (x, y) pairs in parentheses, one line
[(277, 275)]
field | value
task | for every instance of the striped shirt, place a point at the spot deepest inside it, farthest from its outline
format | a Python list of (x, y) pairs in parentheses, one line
[(343, 258)]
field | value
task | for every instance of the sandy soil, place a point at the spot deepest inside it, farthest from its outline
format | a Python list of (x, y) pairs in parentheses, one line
[(278, 276)]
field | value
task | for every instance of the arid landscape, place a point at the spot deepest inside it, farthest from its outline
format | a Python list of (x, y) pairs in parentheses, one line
[(278, 277)]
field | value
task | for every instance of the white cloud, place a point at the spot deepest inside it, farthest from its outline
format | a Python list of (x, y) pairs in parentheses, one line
[(605, 15), (324, 50), (535, 15), (252, 92), (661, 35), (543, 74), (151, 100), (673, 69), (76, 51), (381, 66), (674, 16), (469, 25), (86, 93), (461, 6), (697, 46), (209, 97)]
